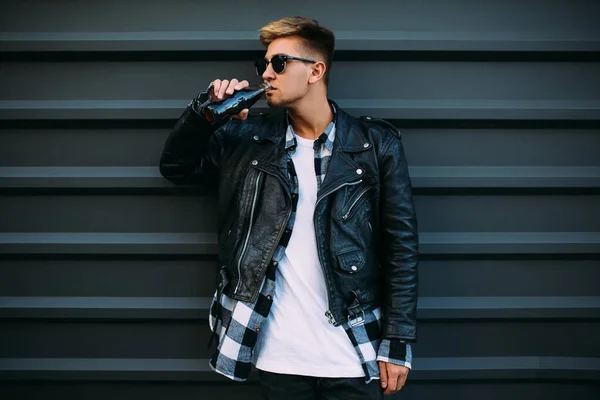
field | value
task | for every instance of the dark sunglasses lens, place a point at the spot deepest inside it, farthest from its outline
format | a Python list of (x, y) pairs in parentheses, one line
[(261, 66), (278, 63)]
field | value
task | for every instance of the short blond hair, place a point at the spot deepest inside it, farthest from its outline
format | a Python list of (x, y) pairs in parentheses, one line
[(317, 39)]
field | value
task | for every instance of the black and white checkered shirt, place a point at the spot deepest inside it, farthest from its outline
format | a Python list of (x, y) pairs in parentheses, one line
[(237, 323)]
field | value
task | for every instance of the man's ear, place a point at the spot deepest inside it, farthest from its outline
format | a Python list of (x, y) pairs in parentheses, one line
[(317, 72)]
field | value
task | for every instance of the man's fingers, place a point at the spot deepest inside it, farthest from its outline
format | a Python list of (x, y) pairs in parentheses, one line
[(401, 381), (222, 89), (215, 88), (232, 86), (396, 377), (225, 87), (383, 374), (392, 379), (243, 115), (243, 84), (219, 93)]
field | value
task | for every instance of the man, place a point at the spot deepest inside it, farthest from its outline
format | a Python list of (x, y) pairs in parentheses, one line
[(318, 245)]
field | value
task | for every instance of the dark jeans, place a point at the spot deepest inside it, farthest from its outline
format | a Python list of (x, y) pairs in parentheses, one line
[(296, 387)]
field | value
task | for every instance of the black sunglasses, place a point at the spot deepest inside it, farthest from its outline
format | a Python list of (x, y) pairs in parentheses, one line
[(278, 62)]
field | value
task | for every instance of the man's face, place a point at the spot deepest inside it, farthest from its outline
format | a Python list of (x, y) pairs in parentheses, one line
[(291, 84)]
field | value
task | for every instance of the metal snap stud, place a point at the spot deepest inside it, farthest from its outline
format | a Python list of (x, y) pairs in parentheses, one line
[(353, 268), (366, 145), (359, 171), (255, 137), (254, 162)]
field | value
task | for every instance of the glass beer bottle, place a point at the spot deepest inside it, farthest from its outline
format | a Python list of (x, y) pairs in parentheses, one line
[(217, 111)]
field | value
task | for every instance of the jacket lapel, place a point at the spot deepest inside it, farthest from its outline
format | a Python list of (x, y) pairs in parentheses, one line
[(342, 168), (349, 139), (272, 158)]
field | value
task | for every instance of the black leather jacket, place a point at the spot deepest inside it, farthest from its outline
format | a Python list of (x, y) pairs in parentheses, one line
[(364, 219)]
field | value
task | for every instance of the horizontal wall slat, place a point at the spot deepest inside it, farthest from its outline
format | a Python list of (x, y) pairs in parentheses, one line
[(189, 338), (419, 389), (569, 24), (195, 276), (116, 147), (509, 242), (411, 84), (508, 307), (138, 147), (422, 176), (126, 390), (199, 369), (461, 90), (388, 109), (108, 243), (205, 243), (105, 307), (198, 307), (248, 40), (179, 213)]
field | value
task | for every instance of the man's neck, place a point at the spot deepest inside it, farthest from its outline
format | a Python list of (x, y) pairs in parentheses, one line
[(310, 117)]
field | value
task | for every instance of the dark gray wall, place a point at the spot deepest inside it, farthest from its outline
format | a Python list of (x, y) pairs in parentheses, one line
[(106, 270)]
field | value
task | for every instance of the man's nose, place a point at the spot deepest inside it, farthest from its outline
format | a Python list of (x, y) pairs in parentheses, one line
[(269, 73)]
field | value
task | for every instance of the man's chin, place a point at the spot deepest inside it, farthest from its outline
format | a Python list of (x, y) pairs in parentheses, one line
[(273, 103)]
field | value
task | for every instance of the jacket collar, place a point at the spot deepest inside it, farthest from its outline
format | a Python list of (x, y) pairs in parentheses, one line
[(274, 127), (349, 136)]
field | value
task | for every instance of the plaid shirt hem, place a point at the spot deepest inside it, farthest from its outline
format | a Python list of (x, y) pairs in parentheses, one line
[(234, 354)]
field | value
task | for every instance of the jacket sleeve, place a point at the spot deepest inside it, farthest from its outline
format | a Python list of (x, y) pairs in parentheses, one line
[(399, 245), (193, 150)]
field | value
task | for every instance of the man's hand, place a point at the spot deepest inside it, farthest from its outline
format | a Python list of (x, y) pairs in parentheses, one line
[(392, 377), (223, 88)]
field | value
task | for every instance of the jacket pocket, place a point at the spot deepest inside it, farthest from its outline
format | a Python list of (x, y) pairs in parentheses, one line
[(354, 203), (351, 261)]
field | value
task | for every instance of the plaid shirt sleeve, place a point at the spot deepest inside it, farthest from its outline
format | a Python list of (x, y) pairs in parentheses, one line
[(395, 351)]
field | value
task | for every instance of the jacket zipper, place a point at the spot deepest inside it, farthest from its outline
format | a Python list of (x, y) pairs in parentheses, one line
[(347, 213), (328, 313), (336, 188), (239, 266)]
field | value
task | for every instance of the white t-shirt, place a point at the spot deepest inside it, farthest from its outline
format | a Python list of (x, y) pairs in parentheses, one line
[(297, 338)]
